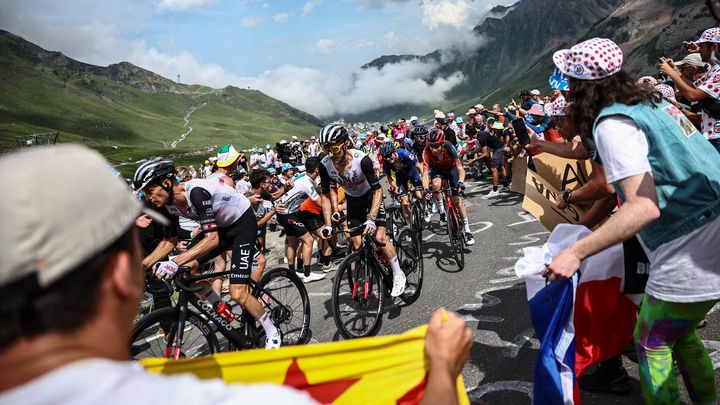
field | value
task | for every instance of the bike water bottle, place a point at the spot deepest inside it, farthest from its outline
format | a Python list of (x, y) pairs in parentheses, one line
[(225, 310)]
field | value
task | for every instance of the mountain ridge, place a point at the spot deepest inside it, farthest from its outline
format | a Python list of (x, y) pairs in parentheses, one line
[(518, 47)]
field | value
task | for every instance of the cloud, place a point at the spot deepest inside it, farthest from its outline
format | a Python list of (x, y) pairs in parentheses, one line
[(391, 39), (281, 17), (331, 94), (309, 6), (323, 46), (249, 22), (172, 5), (376, 4)]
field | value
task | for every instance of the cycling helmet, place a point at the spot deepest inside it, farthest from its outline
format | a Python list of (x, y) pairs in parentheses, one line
[(153, 171), (387, 149), (333, 133), (443, 121), (436, 136), (420, 130)]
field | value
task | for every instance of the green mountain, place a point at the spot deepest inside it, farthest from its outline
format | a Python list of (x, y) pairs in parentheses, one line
[(518, 46), (129, 113)]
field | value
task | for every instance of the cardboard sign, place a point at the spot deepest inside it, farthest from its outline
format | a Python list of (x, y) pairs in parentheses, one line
[(519, 171), (539, 201), (561, 173)]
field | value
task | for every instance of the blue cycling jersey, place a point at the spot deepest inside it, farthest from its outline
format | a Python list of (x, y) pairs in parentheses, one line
[(404, 164)]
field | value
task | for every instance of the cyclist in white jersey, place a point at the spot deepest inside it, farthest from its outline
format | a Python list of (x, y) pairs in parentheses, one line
[(295, 229), (226, 222), (353, 170)]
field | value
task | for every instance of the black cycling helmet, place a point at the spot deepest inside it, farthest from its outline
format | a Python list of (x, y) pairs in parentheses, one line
[(443, 121), (436, 136), (333, 133), (153, 171), (420, 131), (387, 149)]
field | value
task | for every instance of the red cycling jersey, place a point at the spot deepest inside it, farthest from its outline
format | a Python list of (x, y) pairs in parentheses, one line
[(448, 159)]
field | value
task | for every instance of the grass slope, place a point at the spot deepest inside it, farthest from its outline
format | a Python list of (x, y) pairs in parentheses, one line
[(125, 121)]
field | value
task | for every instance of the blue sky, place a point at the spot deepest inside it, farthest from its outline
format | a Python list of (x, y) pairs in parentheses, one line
[(306, 53)]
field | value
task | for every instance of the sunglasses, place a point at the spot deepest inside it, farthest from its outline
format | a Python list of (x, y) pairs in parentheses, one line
[(336, 148)]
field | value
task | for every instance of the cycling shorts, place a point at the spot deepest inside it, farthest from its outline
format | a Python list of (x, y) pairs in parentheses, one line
[(240, 237), (451, 175), (411, 175), (292, 224), (359, 207), (311, 220)]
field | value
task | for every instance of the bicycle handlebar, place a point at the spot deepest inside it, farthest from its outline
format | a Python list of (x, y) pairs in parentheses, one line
[(359, 228), (180, 286)]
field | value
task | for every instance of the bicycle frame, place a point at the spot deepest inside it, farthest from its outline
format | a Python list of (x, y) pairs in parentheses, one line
[(187, 296)]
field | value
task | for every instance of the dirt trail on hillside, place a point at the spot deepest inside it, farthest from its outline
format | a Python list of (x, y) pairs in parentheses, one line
[(187, 122)]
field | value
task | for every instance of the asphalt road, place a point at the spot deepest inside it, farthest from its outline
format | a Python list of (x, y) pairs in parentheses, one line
[(490, 298)]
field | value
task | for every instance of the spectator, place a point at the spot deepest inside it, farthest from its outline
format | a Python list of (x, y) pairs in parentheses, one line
[(705, 91)]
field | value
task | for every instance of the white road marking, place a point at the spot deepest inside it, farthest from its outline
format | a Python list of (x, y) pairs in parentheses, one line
[(428, 237), (529, 238), (319, 294), (485, 226), (518, 386), (527, 218), (518, 342), (482, 318)]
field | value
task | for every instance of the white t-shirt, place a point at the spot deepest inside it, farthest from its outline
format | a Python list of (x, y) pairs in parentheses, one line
[(102, 381), (685, 269)]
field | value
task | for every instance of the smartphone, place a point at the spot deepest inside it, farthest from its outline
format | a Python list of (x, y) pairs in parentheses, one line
[(520, 131)]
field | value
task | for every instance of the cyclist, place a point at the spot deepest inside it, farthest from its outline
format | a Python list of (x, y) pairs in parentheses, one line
[(295, 229), (226, 221), (440, 162), (353, 170), (402, 168)]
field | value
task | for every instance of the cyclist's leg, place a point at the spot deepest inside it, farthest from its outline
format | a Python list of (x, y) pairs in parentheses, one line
[(457, 201), (220, 265), (244, 233), (436, 184)]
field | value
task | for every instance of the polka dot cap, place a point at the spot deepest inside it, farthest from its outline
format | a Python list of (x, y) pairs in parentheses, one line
[(710, 35), (644, 79), (593, 59), (666, 91)]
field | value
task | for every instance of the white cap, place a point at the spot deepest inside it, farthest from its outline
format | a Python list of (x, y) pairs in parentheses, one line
[(55, 226), (439, 115), (479, 107), (535, 92), (413, 118)]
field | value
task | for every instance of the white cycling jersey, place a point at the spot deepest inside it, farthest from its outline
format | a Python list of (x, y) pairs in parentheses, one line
[(303, 188), (355, 181), (219, 206)]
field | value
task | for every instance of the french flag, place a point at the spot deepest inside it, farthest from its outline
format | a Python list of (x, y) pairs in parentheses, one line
[(584, 320)]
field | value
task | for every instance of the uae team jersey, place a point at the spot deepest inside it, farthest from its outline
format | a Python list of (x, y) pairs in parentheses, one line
[(303, 188), (357, 182), (212, 203)]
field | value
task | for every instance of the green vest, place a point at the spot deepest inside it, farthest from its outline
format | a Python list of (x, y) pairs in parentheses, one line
[(685, 169)]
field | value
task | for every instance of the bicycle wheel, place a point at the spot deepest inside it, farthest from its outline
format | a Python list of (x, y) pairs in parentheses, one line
[(417, 216), (153, 335), (357, 300), (286, 299), (411, 262), (455, 237)]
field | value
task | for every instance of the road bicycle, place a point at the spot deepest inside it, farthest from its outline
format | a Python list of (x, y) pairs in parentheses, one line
[(182, 331), (455, 228), (364, 278)]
